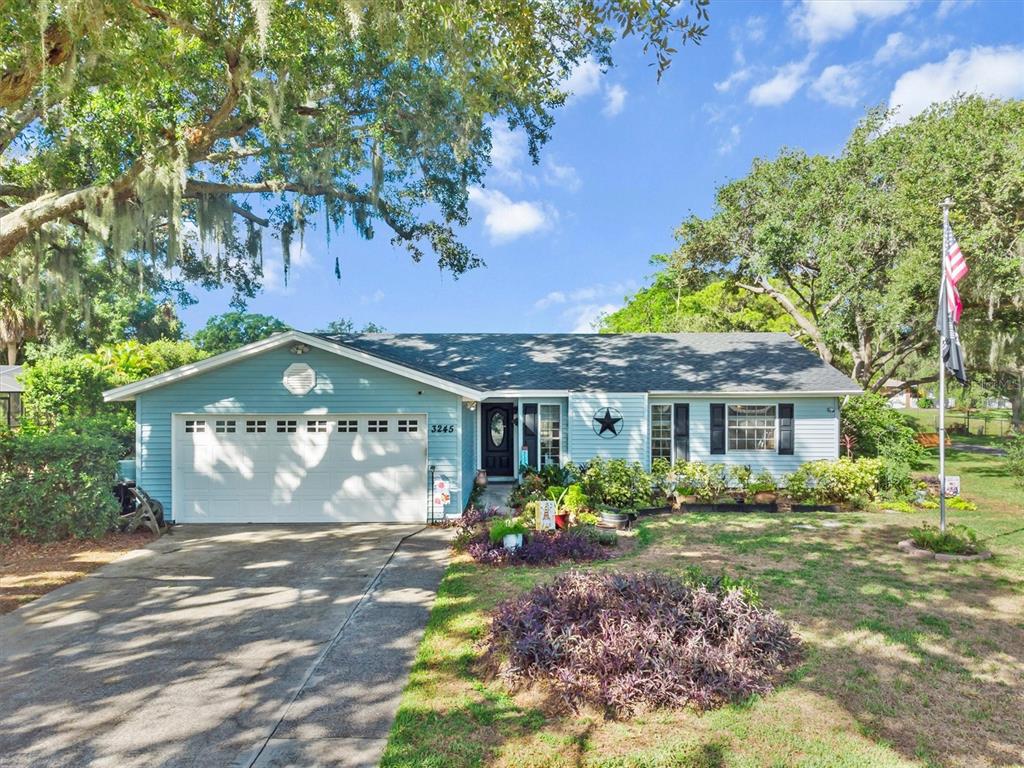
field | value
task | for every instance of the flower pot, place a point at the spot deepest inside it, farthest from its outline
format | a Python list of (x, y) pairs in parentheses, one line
[(691, 499), (765, 497), (480, 481), (614, 518), (512, 541), (561, 522)]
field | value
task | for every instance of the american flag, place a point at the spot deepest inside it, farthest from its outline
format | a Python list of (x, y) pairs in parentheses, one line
[(954, 268)]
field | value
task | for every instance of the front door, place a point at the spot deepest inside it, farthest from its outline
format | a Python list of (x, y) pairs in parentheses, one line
[(497, 439)]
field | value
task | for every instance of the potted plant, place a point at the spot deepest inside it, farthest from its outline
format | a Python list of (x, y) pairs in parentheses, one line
[(764, 488), (614, 518), (686, 494), (508, 531), (571, 504), (741, 474)]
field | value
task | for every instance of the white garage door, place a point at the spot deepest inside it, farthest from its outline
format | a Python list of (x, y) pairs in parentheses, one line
[(300, 468)]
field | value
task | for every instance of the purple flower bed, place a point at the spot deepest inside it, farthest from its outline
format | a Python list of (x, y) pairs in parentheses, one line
[(540, 548), (633, 642)]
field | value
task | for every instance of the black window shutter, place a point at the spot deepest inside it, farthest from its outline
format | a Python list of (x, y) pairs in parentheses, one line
[(681, 435), (786, 429), (530, 431), (718, 427)]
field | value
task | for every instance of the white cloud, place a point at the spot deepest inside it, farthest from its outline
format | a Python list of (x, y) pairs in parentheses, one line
[(506, 219), (586, 318), (614, 100), (555, 297), (755, 29), (989, 71), (822, 20), (947, 7), (374, 298), (730, 142), (839, 85), (737, 77), (896, 46), (561, 175), (788, 79), (584, 80), (508, 153)]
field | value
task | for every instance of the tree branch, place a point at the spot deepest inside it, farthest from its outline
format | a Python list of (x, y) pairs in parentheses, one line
[(763, 286), (17, 121)]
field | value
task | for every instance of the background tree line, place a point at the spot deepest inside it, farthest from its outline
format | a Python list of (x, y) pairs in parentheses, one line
[(844, 252)]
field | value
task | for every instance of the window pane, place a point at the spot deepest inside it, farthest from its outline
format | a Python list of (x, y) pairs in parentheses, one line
[(751, 427), (661, 432), (550, 434)]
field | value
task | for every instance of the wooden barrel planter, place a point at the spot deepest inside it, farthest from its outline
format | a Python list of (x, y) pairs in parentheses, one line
[(614, 518)]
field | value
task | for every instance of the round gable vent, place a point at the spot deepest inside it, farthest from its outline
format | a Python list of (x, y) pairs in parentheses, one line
[(299, 378)]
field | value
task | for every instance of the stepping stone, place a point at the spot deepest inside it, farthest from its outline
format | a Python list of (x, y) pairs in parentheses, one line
[(831, 524), (804, 526)]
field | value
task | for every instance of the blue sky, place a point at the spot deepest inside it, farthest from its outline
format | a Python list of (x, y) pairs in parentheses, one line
[(568, 239)]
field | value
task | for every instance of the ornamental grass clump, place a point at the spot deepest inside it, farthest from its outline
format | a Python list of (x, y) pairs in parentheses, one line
[(628, 643)]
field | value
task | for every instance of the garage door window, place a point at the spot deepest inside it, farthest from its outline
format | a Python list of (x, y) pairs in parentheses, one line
[(286, 425), (316, 425), (223, 426), (192, 425), (377, 425), (348, 425), (408, 425), (256, 425)]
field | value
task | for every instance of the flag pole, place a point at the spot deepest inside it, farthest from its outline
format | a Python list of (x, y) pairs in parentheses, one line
[(946, 205)]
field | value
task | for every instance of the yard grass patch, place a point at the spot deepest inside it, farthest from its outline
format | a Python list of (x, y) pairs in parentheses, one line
[(908, 663)]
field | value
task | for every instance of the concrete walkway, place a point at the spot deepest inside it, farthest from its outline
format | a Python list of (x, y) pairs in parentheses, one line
[(247, 646)]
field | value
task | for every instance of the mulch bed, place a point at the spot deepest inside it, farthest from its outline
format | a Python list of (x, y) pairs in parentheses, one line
[(29, 570)]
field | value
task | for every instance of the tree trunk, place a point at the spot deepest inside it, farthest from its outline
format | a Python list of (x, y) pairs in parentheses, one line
[(1017, 406), (12, 352)]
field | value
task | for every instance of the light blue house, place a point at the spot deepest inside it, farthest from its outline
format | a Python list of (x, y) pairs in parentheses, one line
[(394, 427)]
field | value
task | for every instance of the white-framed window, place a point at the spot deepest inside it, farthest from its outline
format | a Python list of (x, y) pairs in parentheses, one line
[(222, 426), (751, 427), (195, 425), (348, 425), (256, 425), (316, 425), (377, 425), (408, 425), (286, 425), (661, 431), (550, 418)]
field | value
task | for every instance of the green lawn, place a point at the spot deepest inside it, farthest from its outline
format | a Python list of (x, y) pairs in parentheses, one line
[(991, 423), (909, 662)]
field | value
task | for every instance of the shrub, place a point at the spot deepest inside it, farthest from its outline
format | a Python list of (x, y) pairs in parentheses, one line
[(740, 475), (955, 540), (616, 483), (575, 500), (835, 482), (763, 482), (872, 428), (1015, 459), (55, 486), (695, 576), (531, 487), (60, 390), (540, 548), (632, 642)]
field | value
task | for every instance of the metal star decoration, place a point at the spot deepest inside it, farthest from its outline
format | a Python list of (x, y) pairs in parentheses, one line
[(607, 422)]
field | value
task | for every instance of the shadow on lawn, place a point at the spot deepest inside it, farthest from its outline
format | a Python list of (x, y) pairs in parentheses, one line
[(928, 656)]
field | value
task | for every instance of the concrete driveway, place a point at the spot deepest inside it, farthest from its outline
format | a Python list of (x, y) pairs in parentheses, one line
[(247, 646)]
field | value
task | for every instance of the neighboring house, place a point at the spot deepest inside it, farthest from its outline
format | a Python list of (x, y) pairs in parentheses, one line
[(380, 427), (898, 394), (10, 395)]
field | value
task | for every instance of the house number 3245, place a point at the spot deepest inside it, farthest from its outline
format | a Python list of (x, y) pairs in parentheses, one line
[(442, 427)]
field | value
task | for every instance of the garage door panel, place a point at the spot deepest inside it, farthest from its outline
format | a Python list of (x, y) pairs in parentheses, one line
[(313, 471)]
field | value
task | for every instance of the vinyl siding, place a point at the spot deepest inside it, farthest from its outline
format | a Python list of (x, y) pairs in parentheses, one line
[(629, 444), (815, 433), (254, 385)]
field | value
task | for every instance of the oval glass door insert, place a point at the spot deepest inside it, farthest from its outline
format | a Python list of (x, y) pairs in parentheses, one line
[(497, 428)]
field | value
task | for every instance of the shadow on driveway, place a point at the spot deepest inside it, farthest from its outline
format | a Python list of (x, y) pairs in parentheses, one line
[(198, 649)]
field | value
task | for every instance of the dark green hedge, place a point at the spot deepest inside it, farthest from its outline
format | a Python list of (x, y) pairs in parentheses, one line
[(56, 486)]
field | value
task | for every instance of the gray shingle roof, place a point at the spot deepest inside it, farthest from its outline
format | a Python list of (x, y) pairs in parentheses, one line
[(9, 378), (680, 362)]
